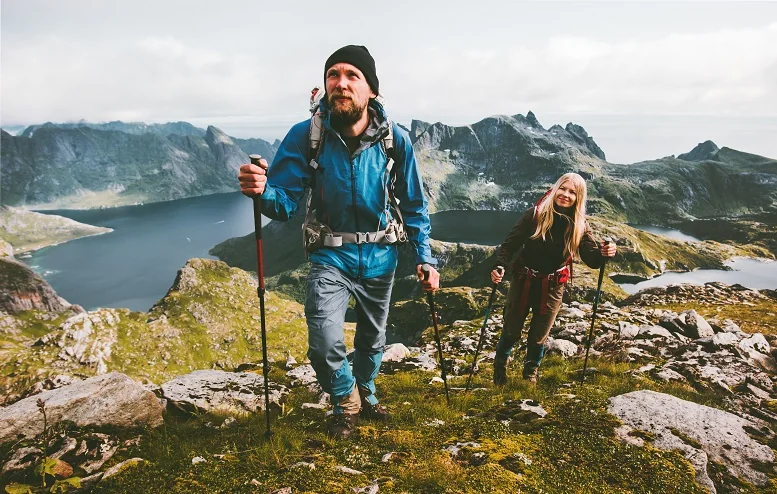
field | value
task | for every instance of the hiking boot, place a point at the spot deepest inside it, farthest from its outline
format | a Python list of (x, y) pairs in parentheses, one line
[(500, 370), (341, 425), (370, 411), (531, 373)]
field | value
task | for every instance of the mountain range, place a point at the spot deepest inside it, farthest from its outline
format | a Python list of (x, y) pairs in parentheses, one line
[(83, 166)]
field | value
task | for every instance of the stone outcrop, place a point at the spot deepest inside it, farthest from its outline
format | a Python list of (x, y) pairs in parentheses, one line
[(234, 393), (109, 400), (23, 289), (701, 433)]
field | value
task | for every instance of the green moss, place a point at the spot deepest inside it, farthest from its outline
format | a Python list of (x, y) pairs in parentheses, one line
[(685, 438), (644, 435)]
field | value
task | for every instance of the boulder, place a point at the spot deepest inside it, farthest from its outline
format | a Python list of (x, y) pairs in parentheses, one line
[(699, 432), (695, 325), (395, 352), (721, 340), (302, 375), (234, 393), (563, 347), (651, 332), (108, 400), (627, 330)]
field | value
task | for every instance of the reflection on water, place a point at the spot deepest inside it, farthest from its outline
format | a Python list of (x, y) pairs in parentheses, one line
[(666, 232), (473, 227), (752, 273)]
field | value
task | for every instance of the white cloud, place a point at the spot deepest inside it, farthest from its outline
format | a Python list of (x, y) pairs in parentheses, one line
[(722, 72), (157, 78)]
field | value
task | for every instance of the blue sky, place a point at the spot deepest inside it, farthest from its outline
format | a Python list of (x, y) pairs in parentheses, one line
[(646, 79)]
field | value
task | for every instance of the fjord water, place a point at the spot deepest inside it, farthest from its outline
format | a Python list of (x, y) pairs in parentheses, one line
[(134, 265), (752, 273)]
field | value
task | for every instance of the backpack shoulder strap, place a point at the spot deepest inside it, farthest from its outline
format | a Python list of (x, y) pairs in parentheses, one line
[(316, 136)]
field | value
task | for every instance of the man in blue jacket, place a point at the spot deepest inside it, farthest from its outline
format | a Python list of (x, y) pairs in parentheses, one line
[(366, 191)]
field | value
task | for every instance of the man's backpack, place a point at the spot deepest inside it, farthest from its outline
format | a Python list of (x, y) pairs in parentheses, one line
[(316, 234)]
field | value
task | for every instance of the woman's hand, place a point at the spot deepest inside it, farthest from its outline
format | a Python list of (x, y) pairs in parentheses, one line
[(608, 249), (497, 274)]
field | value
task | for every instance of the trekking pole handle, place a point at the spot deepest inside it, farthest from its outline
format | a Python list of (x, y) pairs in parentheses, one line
[(255, 159), (605, 242), (426, 269)]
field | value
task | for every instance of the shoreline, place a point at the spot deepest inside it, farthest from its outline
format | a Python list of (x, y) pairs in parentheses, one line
[(18, 253)]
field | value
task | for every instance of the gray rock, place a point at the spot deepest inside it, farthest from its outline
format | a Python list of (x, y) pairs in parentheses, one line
[(672, 322), (370, 489), (730, 326), (627, 330), (93, 451), (759, 351), (302, 375), (721, 340), (572, 313), (22, 459), (235, 393), (695, 325), (107, 400), (756, 343), (670, 375), (714, 434), (349, 471), (651, 332), (290, 361), (563, 347), (395, 353), (455, 449), (23, 289)]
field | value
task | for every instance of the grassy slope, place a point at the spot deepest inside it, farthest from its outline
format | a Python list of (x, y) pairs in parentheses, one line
[(572, 450), (213, 322)]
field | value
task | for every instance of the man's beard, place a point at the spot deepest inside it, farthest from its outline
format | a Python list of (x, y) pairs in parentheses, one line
[(345, 111)]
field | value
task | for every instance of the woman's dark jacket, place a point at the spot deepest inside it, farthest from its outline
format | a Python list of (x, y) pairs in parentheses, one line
[(544, 256)]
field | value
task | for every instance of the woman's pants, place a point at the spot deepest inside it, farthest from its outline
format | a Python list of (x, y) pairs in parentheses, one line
[(540, 323)]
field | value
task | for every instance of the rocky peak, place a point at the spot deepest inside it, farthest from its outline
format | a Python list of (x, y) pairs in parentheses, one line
[(417, 127), (533, 120), (706, 150), (579, 134), (225, 149), (22, 289)]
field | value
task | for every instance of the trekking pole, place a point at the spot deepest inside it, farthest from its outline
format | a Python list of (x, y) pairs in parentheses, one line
[(260, 291), (593, 315), (482, 335), (430, 298)]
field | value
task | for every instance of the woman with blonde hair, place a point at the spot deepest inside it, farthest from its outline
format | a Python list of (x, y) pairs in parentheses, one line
[(544, 241)]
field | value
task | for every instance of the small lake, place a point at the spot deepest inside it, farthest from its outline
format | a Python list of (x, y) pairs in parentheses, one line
[(667, 232), (473, 227), (752, 273), (136, 264)]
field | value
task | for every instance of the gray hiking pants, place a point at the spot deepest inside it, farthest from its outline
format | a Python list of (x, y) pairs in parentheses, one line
[(328, 293)]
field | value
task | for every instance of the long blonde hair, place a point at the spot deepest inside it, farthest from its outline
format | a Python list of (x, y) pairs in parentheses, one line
[(547, 206)]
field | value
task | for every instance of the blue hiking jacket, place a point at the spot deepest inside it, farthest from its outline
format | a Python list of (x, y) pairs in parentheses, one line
[(350, 192)]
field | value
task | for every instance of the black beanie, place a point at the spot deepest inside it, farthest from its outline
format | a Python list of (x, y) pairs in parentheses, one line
[(359, 57)]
